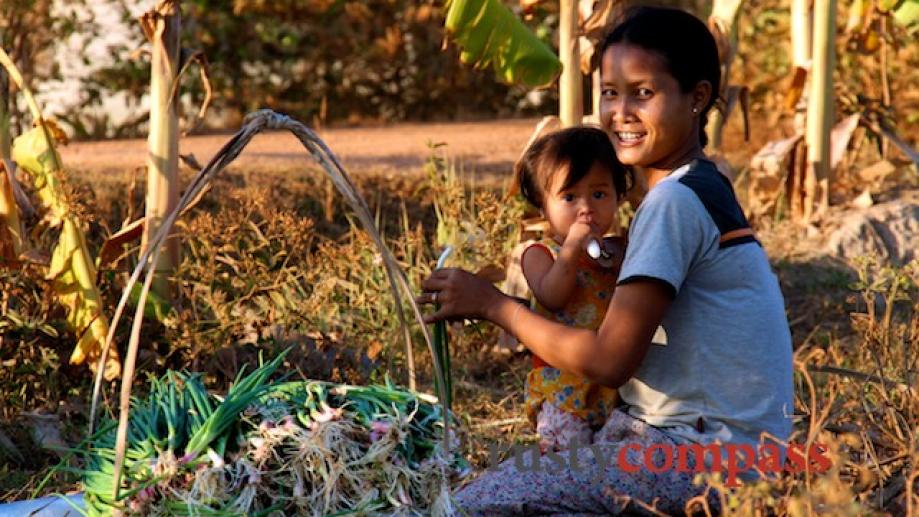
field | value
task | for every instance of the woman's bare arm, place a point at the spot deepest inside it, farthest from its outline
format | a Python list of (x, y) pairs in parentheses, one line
[(608, 356)]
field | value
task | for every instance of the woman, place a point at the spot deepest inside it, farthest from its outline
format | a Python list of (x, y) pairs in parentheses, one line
[(723, 372)]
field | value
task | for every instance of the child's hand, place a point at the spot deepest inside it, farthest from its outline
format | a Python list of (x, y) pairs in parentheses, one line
[(579, 234)]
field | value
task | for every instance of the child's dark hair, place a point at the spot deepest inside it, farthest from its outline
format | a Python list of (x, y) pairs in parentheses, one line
[(576, 149), (687, 46)]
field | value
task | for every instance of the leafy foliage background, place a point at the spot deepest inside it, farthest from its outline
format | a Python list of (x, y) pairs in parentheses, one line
[(324, 60)]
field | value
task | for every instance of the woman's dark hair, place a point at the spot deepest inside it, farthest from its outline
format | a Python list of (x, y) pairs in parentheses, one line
[(687, 46), (574, 150)]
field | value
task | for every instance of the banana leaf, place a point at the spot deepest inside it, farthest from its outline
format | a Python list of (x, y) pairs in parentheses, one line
[(72, 271), (906, 13), (490, 34)]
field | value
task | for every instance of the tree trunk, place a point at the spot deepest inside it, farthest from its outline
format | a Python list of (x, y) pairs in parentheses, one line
[(162, 26), (820, 109), (724, 16), (801, 22), (595, 96), (801, 39), (571, 108)]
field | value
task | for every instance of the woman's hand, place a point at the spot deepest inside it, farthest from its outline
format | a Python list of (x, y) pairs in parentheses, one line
[(460, 295)]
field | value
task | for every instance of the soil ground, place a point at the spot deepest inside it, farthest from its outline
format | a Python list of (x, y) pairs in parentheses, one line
[(488, 147), (480, 146)]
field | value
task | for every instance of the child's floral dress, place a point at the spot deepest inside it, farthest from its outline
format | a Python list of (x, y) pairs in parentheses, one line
[(563, 406)]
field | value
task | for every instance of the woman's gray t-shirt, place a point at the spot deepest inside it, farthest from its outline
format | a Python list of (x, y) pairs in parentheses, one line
[(725, 372)]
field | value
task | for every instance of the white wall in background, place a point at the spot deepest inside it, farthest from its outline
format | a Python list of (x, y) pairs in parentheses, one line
[(75, 61)]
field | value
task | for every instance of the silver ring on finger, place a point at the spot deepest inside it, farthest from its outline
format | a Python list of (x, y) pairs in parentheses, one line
[(434, 297)]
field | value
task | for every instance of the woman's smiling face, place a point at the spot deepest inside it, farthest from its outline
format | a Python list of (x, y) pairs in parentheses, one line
[(649, 118)]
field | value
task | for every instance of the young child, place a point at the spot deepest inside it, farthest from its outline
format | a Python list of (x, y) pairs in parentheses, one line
[(575, 179)]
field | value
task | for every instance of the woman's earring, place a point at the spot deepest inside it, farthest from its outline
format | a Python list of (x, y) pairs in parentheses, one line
[(695, 110)]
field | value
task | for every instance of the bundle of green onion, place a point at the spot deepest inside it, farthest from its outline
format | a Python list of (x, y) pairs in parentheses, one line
[(276, 448)]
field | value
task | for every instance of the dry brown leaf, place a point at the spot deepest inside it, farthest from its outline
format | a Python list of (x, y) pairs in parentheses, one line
[(58, 134), (37, 256), (515, 285), (374, 350), (796, 89), (839, 138), (391, 42), (8, 256), (877, 172), (11, 234), (112, 247), (22, 200), (528, 5), (867, 42), (734, 95), (186, 58), (596, 16), (769, 171), (358, 12)]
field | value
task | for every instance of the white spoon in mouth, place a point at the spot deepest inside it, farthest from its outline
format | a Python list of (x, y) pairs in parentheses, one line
[(593, 249), (598, 251)]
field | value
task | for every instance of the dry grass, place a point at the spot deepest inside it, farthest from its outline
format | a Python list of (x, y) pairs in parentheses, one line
[(281, 263)]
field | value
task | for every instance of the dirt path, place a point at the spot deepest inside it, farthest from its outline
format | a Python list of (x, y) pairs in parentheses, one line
[(479, 146)]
